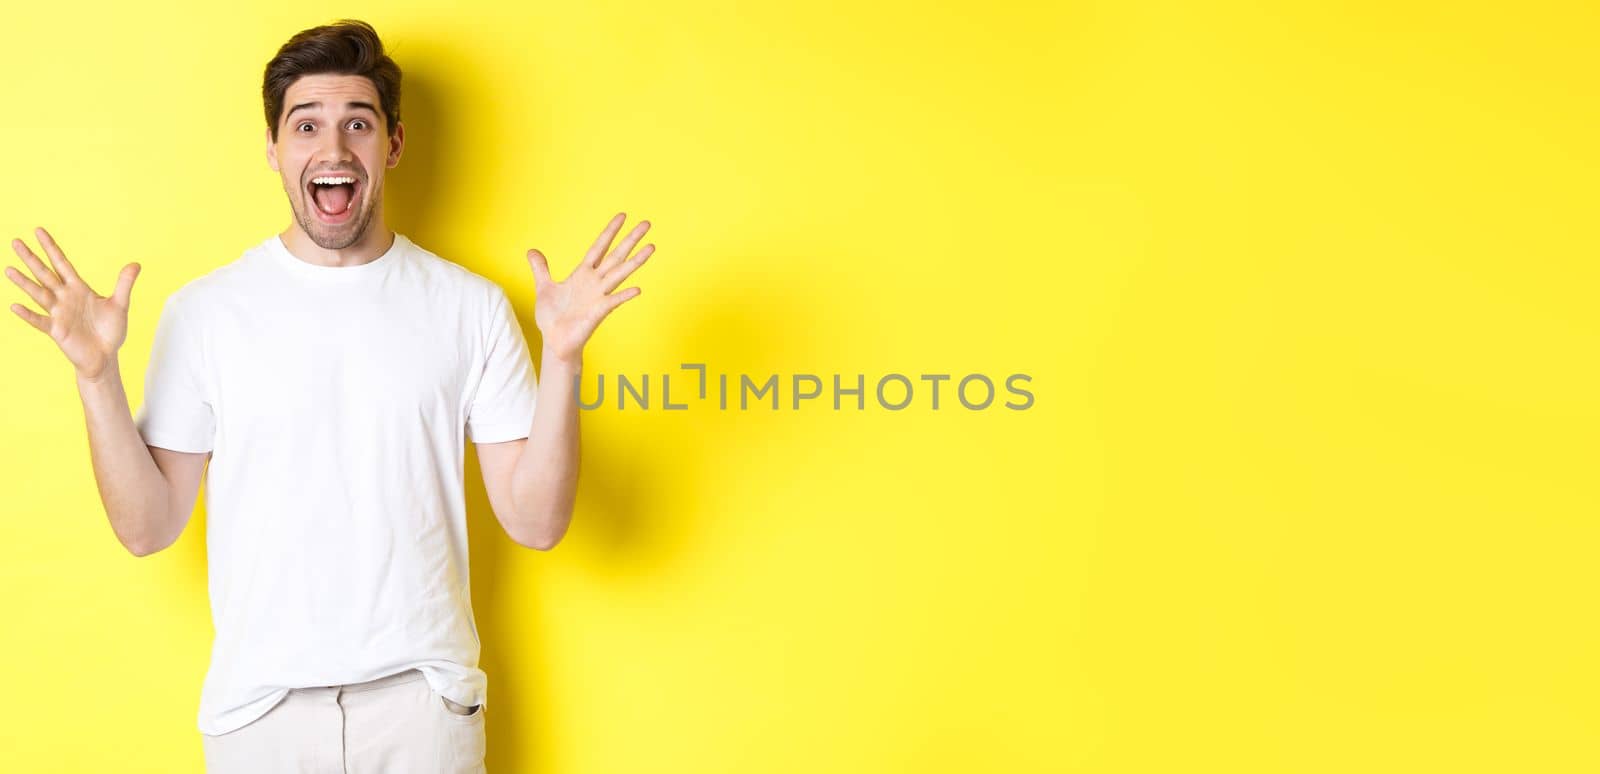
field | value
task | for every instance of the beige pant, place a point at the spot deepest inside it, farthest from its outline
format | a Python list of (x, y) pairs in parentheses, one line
[(394, 725)]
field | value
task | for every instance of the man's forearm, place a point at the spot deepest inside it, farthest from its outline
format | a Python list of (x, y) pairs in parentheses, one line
[(132, 489), (544, 483)]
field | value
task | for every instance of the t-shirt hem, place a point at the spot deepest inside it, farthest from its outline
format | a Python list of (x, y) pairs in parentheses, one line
[(174, 443), (242, 717), (499, 431)]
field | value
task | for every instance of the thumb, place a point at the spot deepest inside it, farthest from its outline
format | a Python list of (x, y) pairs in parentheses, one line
[(124, 292), (541, 269)]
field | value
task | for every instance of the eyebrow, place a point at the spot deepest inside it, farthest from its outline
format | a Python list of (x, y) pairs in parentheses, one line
[(356, 105)]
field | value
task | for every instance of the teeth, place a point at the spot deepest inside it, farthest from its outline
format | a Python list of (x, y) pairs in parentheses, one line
[(332, 180)]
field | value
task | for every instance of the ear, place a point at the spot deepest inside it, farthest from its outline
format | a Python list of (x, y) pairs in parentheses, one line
[(272, 152), (397, 143)]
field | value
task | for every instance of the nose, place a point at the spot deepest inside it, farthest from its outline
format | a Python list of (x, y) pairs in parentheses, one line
[(333, 151)]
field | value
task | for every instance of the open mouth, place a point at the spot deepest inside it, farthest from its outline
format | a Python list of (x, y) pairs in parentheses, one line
[(333, 197)]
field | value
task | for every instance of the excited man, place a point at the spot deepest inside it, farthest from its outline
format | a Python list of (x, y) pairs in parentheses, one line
[(328, 376)]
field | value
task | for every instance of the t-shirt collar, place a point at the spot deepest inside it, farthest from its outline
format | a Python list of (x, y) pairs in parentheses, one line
[(280, 253)]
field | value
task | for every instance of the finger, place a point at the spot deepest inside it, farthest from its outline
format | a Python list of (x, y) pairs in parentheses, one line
[(124, 292), (57, 258), (625, 247), (541, 269), (45, 276), (614, 277), (39, 295), (33, 318), (618, 299), (598, 249)]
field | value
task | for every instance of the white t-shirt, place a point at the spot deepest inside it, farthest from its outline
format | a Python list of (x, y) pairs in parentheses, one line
[(334, 402)]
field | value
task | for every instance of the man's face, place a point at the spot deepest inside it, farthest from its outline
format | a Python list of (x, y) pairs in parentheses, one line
[(332, 127)]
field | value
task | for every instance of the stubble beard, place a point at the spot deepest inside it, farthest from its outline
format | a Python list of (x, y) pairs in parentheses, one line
[(333, 237)]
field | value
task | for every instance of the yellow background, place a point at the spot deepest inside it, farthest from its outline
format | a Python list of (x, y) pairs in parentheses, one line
[(1306, 292)]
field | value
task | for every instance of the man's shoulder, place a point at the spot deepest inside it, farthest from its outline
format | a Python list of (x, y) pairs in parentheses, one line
[(442, 270), (220, 282)]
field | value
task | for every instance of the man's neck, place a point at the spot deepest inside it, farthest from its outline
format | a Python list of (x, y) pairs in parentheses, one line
[(377, 241)]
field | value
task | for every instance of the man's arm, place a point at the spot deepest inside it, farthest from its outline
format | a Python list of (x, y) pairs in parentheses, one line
[(532, 482), (147, 494)]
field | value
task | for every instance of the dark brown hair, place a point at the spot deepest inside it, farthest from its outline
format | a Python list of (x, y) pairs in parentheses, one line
[(346, 47)]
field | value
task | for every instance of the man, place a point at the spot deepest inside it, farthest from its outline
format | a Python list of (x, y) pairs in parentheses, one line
[(328, 376)]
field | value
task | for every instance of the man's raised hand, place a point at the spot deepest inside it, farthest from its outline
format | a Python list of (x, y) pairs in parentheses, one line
[(88, 327), (567, 312)]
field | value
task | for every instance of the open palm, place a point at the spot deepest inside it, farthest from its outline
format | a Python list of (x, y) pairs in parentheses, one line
[(88, 327), (567, 312)]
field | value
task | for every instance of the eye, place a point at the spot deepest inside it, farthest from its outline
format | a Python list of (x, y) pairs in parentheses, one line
[(361, 121), (303, 124)]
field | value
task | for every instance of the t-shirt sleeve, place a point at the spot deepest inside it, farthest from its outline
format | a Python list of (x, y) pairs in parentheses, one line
[(502, 406), (177, 411)]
